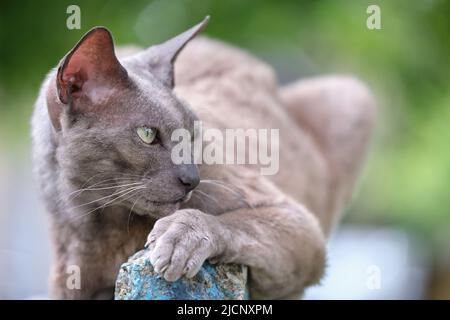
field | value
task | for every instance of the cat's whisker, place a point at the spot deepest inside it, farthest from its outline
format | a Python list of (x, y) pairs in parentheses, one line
[(122, 177), (206, 195), (128, 192), (98, 174), (105, 188), (114, 201), (198, 197), (109, 196), (223, 185), (131, 210), (112, 187), (110, 203), (73, 197), (106, 182), (131, 175), (91, 178)]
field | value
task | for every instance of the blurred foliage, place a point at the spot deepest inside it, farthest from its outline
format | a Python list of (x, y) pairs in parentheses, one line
[(407, 181)]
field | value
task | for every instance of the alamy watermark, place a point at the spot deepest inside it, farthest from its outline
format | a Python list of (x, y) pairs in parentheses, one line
[(74, 19), (73, 281), (373, 21), (228, 146), (373, 281)]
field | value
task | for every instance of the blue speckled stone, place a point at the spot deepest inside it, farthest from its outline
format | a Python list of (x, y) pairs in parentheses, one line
[(138, 281)]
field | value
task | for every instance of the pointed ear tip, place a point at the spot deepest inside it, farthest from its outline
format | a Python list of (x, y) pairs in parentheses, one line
[(201, 25), (205, 21), (98, 33), (98, 29)]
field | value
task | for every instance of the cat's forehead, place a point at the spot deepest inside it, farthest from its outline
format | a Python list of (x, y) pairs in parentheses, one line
[(146, 102), (152, 97)]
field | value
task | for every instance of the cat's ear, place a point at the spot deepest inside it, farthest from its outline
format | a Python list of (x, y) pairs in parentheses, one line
[(160, 58), (91, 64)]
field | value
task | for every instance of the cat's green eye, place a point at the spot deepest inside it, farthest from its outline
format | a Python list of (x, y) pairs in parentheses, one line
[(147, 135)]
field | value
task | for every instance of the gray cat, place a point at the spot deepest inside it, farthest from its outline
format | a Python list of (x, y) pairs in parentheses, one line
[(102, 156)]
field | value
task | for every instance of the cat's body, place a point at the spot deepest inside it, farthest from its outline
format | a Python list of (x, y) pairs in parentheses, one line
[(276, 225)]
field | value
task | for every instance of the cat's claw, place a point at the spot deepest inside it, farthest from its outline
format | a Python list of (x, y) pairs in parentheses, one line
[(181, 242)]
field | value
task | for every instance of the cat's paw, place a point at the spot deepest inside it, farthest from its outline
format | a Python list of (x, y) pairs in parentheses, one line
[(181, 242)]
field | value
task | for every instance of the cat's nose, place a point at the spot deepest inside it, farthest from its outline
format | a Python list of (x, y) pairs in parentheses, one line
[(189, 177)]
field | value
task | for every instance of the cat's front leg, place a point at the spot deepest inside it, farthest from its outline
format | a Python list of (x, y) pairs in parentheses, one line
[(181, 242), (282, 244)]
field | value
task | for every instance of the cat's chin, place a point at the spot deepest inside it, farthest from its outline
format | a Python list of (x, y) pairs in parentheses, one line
[(157, 210)]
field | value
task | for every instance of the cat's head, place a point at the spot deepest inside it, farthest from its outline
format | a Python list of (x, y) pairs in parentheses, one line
[(114, 122)]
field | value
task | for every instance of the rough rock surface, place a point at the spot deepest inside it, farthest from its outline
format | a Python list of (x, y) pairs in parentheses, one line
[(138, 281)]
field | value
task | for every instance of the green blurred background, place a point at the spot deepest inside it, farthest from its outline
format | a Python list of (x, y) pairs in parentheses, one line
[(406, 183)]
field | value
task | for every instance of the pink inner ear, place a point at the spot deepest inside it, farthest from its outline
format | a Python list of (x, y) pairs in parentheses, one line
[(92, 60), (75, 75)]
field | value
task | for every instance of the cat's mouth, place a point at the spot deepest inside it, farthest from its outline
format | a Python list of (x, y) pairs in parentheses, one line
[(179, 200), (158, 208), (187, 197)]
